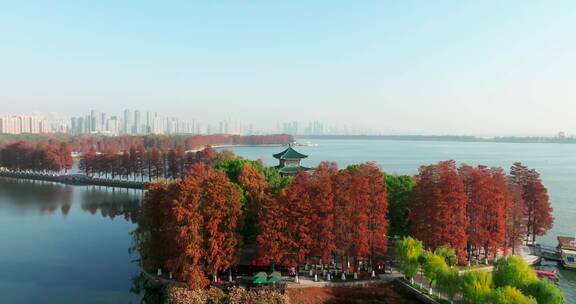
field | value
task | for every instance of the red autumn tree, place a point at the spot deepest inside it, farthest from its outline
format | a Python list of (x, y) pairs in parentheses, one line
[(516, 217), (187, 264), (487, 194), (438, 213), (221, 209), (344, 226), (157, 243), (297, 212), (536, 200), (273, 228), (66, 159), (321, 192), (255, 186), (376, 209)]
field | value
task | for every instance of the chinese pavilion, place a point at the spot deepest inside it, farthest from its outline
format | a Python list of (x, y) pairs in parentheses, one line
[(290, 161)]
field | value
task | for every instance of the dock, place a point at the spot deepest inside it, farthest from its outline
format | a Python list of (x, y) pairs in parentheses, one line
[(546, 252)]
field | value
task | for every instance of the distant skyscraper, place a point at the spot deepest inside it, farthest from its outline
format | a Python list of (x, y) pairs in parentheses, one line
[(137, 122), (127, 122)]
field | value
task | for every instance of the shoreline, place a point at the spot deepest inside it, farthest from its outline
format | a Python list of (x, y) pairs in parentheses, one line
[(75, 179), (224, 146)]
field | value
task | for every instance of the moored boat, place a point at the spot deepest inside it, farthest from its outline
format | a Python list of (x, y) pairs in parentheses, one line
[(567, 249)]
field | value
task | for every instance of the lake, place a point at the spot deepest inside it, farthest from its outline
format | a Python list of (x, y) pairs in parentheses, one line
[(66, 244), (69, 244)]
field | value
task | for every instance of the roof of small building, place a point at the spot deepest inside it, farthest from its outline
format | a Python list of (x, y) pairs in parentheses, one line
[(291, 170), (566, 242), (289, 153)]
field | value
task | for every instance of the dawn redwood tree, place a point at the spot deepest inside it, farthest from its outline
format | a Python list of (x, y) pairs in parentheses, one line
[(516, 217), (155, 232), (438, 212), (222, 211), (344, 224), (88, 161), (187, 264), (376, 209), (321, 192), (487, 194), (156, 164), (272, 229), (297, 211), (536, 200), (66, 160), (255, 189)]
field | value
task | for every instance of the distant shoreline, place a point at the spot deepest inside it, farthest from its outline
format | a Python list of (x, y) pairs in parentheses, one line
[(236, 146), (447, 138)]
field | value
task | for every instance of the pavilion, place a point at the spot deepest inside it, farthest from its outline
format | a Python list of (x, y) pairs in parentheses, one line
[(290, 161)]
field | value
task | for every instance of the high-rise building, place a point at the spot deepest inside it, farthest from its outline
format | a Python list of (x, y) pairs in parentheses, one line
[(23, 124), (127, 122), (137, 128)]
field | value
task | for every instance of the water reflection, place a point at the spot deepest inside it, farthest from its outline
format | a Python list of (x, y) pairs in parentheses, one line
[(108, 202), (113, 202), (17, 194)]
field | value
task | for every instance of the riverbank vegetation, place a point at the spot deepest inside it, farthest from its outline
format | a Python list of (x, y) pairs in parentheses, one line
[(103, 144), (512, 280)]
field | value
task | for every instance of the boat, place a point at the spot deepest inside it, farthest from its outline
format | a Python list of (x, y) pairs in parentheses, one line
[(305, 144), (567, 250), (548, 273)]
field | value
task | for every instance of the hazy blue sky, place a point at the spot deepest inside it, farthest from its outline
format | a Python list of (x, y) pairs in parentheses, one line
[(458, 67)]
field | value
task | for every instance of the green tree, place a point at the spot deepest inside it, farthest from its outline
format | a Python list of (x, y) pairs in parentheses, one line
[(511, 295), (399, 189), (449, 255), (476, 287), (449, 282), (434, 267), (513, 271), (545, 292), (408, 250)]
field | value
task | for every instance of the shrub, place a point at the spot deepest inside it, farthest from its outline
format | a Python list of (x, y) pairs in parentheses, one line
[(476, 286), (545, 292), (513, 271), (510, 295), (181, 295)]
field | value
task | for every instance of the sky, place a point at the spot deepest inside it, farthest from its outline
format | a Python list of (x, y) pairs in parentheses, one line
[(430, 67)]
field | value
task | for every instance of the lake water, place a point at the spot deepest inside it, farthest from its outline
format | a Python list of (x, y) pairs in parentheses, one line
[(69, 244), (66, 244), (555, 162)]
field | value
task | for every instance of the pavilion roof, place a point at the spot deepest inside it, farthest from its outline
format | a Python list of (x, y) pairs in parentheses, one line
[(292, 170), (289, 153)]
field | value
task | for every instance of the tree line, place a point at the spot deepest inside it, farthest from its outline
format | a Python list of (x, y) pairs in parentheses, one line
[(334, 215), (478, 211), (52, 156), (195, 227), (84, 143)]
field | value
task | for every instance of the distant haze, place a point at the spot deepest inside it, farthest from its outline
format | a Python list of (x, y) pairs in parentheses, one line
[(432, 67)]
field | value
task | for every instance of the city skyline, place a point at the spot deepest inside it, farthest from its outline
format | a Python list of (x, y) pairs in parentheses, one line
[(138, 122)]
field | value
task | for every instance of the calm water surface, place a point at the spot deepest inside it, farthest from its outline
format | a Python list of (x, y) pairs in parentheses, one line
[(66, 244), (69, 244), (555, 162)]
